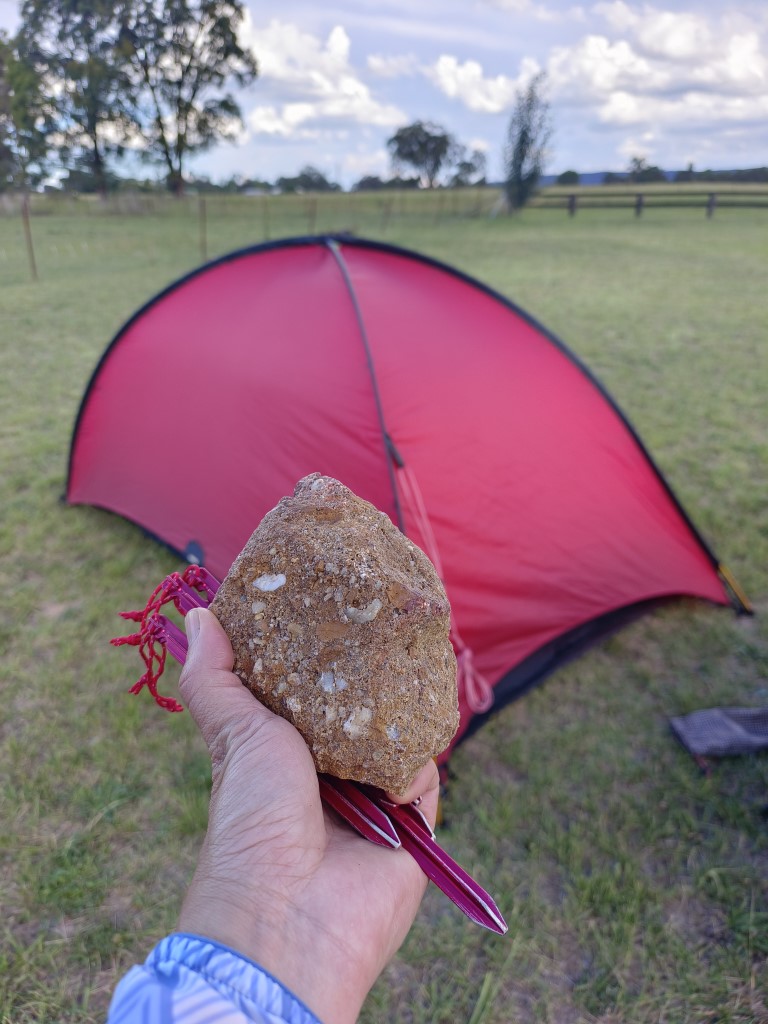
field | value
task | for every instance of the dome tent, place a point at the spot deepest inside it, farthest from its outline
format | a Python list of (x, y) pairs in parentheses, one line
[(435, 398)]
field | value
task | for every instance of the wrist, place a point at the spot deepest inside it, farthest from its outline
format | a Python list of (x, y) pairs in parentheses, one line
[(295, 949)]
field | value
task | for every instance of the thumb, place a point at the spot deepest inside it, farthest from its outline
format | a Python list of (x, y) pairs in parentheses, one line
[(215, 696)]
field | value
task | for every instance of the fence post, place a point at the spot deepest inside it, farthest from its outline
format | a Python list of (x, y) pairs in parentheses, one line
[(639, 204), (711, 204), (572, 201), (202, 215), (28, 235)]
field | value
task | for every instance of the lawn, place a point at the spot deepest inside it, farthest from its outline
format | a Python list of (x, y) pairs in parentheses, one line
[(636, 888)]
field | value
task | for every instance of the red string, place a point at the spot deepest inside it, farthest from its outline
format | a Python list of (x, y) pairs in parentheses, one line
[(477, 691), (151, 649)]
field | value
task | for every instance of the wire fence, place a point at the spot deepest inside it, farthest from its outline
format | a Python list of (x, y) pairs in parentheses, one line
[(44, 232)]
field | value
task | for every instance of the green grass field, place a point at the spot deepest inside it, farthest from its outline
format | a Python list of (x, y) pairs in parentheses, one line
[(636, 889)]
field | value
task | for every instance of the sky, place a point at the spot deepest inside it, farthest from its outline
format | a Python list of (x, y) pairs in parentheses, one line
[(674, 82)]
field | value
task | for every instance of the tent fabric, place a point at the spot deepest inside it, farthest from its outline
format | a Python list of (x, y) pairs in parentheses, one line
[(363, 361)]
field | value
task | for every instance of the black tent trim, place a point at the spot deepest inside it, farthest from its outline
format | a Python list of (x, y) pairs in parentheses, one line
[(560, 651)]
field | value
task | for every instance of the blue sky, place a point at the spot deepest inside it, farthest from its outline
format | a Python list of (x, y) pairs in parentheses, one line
[(674, 82)]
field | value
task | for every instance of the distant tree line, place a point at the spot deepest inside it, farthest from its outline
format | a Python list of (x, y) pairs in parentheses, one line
[(754, 175), (640, 172)]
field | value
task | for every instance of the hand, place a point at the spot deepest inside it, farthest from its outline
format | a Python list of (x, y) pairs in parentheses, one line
[(279, 878)]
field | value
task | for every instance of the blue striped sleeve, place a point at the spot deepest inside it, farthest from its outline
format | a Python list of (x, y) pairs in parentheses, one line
[(187, 979)]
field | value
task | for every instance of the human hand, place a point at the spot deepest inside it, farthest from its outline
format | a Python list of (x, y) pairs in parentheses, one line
[(279, 877)]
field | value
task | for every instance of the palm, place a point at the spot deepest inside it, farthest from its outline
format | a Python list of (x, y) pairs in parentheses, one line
[(280, 878)]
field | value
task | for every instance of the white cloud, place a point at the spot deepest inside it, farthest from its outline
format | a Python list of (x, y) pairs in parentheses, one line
[(357, 165), (691, 111), (393, 67), (467, 83), (541, 12), (312, 83), (595, 67), (680, 71)]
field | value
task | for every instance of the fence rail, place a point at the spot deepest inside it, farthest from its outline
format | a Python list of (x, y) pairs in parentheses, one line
[(641, 199)]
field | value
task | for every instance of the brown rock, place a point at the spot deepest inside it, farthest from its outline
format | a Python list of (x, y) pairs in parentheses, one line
[(340, 624)]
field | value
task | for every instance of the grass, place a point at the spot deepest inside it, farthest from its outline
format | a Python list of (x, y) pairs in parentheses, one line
[(635, 887)]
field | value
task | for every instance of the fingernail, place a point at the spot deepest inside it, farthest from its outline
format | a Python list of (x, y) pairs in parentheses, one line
[(417, 801), (192, 624)]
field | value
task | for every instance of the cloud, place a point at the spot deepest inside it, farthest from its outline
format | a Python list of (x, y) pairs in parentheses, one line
[(541, 12), (398, 66), (595, 67), (667, 34), (358, 164), (664, 71), (311, 84), (467, 83)]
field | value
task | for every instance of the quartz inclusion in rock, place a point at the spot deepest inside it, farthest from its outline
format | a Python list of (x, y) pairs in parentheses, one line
[(340, 624)]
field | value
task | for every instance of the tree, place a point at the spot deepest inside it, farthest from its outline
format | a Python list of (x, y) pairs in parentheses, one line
[(182, 54), (309, 179), (372, 183), (686, 175), (424, 146), (71, 45), (470, 167), (640, 171), (568, 178), (529, 132), (24, 121)]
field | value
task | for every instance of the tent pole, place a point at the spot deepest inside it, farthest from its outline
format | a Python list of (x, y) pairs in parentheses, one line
[(335, 248)]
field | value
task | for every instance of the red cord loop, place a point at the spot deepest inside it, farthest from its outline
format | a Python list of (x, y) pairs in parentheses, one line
[(151, 649)]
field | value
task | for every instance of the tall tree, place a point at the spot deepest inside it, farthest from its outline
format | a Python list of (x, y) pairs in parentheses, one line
[(425, 147), (529, 132), (182, 54), (72, 46), (25, 120)]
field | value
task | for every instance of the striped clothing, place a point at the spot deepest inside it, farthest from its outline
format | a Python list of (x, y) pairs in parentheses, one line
[(190, 980)]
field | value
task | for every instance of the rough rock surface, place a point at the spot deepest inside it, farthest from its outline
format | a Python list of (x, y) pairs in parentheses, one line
[(340, 624)]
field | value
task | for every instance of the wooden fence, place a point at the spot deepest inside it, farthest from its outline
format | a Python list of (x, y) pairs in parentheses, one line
[(640, 200)]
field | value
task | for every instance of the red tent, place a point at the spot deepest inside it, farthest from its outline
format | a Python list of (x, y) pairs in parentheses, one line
[(427, 393)]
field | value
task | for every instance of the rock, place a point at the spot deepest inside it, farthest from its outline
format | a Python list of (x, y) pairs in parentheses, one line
[(340, 624)]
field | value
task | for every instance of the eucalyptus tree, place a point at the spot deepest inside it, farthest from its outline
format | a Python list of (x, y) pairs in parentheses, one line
[(72, 46), (25, 120), (424, 146), (183, 55)]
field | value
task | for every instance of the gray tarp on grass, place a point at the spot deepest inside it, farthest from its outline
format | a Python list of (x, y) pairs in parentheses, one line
[(720, 732)]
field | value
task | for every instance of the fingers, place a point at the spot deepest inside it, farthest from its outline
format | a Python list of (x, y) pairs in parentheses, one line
[(425, 788), (216, 698)]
